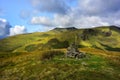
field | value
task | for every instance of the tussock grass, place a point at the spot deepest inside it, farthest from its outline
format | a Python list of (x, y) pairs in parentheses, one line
[(46, 55), (19, 60), (52, 65)]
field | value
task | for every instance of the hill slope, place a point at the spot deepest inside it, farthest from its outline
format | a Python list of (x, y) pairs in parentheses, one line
[(40, 55), (102, 38)]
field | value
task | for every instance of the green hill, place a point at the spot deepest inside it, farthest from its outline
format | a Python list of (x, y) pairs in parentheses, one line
[(106, 38), (40, 55)]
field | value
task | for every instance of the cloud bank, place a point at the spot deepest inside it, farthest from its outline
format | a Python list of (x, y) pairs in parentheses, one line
[(86, 13), (7, 30), (4, 28), (17, 30)]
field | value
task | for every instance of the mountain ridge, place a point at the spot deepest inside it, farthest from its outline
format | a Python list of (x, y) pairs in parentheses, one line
[(41, 55), (94, 37), (74, 28)]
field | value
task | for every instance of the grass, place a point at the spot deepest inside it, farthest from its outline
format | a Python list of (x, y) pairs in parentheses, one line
[(30, 66), (19, 42), (111, 48), (47, 55), (22, 59), (31, 48)]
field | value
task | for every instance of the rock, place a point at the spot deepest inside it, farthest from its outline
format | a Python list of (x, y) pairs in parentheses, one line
[(72, 51), (84, 64)]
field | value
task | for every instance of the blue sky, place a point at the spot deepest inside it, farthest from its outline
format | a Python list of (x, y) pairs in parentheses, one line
[(42, 15), (12, 12)]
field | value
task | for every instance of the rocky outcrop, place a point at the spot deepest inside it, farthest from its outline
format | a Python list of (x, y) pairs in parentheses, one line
[(73, 52)]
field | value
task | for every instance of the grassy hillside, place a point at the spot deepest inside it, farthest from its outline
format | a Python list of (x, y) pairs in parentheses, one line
[(41, 55), (97, 38)]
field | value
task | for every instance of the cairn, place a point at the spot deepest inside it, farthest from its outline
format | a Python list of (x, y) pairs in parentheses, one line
[(73, 52)]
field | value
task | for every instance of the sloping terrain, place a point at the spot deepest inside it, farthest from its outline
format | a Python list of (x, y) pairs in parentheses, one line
[(40, 55), (102, 38)]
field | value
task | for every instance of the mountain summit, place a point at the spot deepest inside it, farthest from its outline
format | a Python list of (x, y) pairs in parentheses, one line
[(65, 29)]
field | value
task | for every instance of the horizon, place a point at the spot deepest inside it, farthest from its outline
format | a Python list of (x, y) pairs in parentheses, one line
[(65, 28), (27, 16)]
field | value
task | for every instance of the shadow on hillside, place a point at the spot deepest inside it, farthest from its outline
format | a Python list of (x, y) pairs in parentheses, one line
[(110, 48)]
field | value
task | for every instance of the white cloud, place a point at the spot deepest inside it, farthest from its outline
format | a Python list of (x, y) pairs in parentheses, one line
[(63, 20), (70, 21), (17, 30), (4, 28), (87, 13), (117, 22), (58, 20), (7, 30), (41, 20), (90, 21)]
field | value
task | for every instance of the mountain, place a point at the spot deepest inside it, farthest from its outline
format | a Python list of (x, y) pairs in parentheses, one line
[(40, 55), (64, 29), (95, 37)]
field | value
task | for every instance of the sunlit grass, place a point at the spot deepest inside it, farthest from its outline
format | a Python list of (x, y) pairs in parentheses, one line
[(30, 66), (21, 61)]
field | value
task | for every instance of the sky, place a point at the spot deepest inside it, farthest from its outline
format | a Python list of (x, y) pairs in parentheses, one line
[(26, 16)]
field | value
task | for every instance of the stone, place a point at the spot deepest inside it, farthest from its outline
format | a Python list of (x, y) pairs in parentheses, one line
[(72, 51)]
